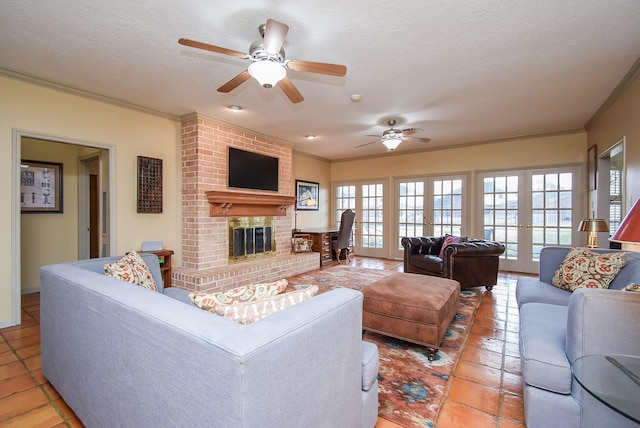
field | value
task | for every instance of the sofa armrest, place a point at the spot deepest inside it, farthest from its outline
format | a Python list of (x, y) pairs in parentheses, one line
[(603, 321)]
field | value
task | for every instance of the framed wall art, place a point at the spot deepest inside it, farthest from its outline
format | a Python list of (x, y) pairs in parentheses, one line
[(592, 166), (149, 185), (40, 187), (307, 195)]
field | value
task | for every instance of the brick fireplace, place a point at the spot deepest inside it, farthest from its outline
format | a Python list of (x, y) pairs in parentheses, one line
[(207, 205)]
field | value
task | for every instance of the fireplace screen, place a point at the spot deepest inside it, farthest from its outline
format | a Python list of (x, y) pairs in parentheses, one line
[(251, 238)]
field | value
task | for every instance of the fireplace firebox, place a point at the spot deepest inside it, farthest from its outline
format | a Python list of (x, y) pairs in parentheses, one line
[(251, 238)]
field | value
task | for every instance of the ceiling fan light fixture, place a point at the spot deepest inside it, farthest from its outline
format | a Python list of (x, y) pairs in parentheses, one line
[(392, 143), (267, 73)]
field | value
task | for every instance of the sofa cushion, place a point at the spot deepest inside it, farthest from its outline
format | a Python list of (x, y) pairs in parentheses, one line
[(425, 262), (245, 293), (532, 290), (583, 269), (248, 312), (132, 269), (369, 365), (449, 239), (543, 335)]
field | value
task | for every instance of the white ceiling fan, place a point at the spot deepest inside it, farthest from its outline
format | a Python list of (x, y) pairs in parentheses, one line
[(392, 137), (269, 66)]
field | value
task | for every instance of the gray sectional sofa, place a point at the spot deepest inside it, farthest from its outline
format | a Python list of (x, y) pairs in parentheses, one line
[(557, 327), (121, 355)]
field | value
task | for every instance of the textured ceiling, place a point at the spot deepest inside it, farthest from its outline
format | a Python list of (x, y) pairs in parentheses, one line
[(462, 71)]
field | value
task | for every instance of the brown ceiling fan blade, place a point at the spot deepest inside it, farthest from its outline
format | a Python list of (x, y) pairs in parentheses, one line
[(290, 90), (235, 82), (411, 131), (317, 67), (212, 48), (420, 139), (274, 35), (366, 144)]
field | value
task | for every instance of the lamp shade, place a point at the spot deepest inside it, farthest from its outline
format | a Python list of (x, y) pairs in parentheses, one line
[(593, 225), (629, 229), (392, 143), (267, 73)]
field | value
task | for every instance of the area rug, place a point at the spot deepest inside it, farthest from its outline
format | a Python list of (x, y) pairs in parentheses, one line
[(411, 387)]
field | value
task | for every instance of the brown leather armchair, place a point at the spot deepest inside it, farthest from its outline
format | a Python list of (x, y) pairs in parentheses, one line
[(472, 263)]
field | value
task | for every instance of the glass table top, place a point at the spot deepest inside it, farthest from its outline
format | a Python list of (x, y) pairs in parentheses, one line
[(613, 379)]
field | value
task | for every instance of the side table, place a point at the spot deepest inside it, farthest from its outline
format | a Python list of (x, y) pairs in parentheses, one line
[(614, 380), (164, 257)]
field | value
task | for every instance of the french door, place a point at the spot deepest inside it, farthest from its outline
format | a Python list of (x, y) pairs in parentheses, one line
[(527, 210), (430, 206), (368, 200)]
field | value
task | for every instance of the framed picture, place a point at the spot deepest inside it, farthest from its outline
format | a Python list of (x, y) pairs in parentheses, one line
[(592, 166), (40, 187), (307, 195)]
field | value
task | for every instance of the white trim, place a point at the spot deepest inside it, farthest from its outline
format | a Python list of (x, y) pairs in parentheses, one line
[(16, 231)]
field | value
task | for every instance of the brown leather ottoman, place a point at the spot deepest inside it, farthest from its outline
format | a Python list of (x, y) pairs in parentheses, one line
[(412, 307)]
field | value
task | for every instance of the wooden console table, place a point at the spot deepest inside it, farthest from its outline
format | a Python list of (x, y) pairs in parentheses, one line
[(164, 257), (322, 242)]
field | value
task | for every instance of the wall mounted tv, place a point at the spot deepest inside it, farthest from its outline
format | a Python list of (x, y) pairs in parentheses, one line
[(248, 170)]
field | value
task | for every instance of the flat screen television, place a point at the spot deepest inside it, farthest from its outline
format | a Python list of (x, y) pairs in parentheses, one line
[(248, 170)]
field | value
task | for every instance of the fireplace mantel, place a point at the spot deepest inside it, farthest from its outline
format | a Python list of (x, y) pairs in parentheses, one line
[(238, 204)]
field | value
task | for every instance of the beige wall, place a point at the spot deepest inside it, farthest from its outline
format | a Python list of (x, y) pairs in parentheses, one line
[(39, 110), (621, 119), (309, 168)]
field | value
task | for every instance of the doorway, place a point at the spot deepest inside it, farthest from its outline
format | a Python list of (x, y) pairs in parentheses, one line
[(54, 232)]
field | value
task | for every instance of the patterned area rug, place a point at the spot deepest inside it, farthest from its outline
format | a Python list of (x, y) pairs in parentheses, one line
[(411, 387)]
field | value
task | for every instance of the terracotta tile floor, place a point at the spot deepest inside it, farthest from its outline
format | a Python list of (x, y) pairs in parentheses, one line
[(484, 391)]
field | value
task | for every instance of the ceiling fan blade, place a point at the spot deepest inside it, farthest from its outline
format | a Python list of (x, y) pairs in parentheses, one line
[(420, 139), (366, 144), (290, 90), (317, 67), (212, 48), (235, 82), (411, 131), (274, 35)]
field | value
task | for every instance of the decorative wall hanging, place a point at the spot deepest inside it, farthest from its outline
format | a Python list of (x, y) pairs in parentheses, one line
[(592, 167), (307, 195), (149, 185), (40, 187)]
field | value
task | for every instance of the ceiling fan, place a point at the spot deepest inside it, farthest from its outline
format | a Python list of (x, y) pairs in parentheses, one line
[(392, 137), (268, 65)]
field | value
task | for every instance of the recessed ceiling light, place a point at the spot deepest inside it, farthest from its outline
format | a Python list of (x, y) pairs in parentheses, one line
[(234, 107), (310, 137), (356, 97)]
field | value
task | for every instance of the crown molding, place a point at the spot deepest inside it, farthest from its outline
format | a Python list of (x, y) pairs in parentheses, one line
[(82, 93)]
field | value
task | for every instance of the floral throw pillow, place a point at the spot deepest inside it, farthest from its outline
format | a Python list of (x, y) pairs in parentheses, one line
[(248, 312), (583, 269), (450, 239), (131, 268), (245, 293)]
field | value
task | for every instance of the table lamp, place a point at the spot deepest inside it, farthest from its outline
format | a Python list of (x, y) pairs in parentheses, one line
[(593, 226), (629, 229)]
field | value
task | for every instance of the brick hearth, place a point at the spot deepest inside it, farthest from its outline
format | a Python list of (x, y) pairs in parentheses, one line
[(205, 246)]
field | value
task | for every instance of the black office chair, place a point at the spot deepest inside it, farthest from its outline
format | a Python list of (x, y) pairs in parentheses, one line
[(344, 233)]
